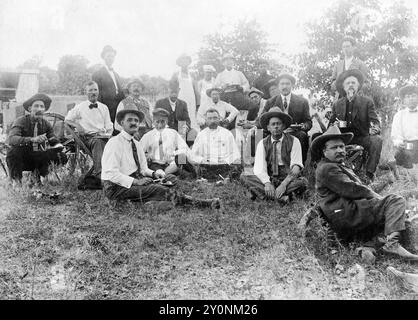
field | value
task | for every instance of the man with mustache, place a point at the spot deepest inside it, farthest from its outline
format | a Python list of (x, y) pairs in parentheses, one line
[(126, 175), (352, 209), (91, 118), (278, 161), (357, 114), (28, 139), (135, 101)]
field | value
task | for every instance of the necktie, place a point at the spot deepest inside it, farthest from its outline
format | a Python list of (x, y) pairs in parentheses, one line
[(160, 147), (135, 154), (93, 105), (275, 159), (35, 134), (285, 104)]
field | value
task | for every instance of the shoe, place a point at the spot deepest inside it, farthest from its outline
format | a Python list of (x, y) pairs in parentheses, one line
[(393, 247)]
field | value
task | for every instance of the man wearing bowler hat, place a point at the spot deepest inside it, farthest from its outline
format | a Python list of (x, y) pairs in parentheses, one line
[(295, 106), (278, 161), (352, 209), (405, 128), (108, 80), (357, 114), (28, 139)]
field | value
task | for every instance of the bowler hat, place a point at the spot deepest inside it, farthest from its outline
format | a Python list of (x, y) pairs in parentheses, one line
[(288, 76), (344, 75), (135, 81), (107, 48), (333, 132), (160, 112), (408, 89), (38, 97), (275, 112), (255, 90), (121, 114)]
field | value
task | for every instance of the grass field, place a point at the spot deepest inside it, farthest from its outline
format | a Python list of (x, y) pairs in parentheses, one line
[(82, 247)]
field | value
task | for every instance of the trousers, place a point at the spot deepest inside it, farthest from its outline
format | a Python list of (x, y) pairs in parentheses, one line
[(373, 146), (96, 146)]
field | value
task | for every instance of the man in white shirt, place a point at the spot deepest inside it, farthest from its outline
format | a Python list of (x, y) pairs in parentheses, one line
[(91, 118), (405, 128), (164, 148), (126, 175), (278, 161), (215, 150), (222, 107)]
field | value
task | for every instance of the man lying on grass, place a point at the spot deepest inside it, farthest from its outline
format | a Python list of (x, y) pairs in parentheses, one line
[(278, 161), (125, 172), (353, 210)]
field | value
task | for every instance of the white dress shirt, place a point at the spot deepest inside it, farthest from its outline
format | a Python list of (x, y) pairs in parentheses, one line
[(404, 126), (118, 161), (222, 107), (230, 77), (215, 146), (172, 104), (112, 75), (260, 163), (95, 120), (173, 144), (347, 62)]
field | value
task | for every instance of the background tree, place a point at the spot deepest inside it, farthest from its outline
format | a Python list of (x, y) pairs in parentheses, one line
[(73, 74)]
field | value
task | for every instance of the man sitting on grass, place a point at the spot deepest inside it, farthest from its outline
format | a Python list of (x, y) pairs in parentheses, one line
[(353, 210), (125, 172), (278, 161)]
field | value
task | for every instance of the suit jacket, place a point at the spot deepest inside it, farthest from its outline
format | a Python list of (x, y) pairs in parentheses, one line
[(107, 90), (355, 64), (343, 199), (298, 109), (363, 113), (179, 114)]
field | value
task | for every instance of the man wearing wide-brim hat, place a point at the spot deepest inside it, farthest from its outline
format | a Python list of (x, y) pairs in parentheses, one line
[(126, 175), (405, 128), (30, 138), (357, 114), (134, 100), (352, 209), (278, 161)]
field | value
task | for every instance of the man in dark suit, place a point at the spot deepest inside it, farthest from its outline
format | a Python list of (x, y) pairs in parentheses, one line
[(352, 209), (295, 106), (178, 119), (110, 89), (357, 114)]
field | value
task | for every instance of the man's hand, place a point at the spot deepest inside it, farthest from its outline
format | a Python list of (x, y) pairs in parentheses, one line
[(39, 139), (159, 174), (142, 182), (280, 191), (269, 190)]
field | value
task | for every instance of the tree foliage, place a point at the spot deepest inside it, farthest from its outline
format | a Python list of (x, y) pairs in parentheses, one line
[(73, 74)]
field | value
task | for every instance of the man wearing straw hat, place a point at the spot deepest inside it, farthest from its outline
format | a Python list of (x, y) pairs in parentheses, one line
[(278, 161), (352, 209), (28, 139)]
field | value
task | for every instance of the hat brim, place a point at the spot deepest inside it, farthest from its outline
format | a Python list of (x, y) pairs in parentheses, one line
[(135, 81), (407, 90), (348, 73), (121, 114), (160, 112), (287, 76), (319, 142), (209, 91), (38, 97), (260, 93), (265, 118)]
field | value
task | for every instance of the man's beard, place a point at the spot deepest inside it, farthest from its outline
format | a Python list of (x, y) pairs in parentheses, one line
[(351, 93), (213, 126)]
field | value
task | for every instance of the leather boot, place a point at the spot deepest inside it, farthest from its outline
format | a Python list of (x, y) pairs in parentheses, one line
[(393, 246)]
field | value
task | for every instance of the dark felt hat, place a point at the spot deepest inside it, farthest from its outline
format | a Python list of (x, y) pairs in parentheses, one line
[(209, 91), (136, 81), (38, 97), (107, 48), (288, 76), (121, 114), (333, 132), (275, 112), (160, 112), (349, 73), (408, 89), (255, 90)]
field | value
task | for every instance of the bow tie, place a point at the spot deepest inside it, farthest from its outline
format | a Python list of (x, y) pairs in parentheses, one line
[(93, 105)]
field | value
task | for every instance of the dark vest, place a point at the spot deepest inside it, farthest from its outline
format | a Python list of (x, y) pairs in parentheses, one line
[(287, 144)]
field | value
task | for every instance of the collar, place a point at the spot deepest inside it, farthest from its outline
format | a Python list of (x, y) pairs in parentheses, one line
[(171, 102), (286, 97), (280, 140), (126, 135)]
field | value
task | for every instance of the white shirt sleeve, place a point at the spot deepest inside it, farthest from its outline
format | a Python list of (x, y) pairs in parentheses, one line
[(145, 171), (108, 122), (296, 154), (233, 112), (260, 164), (244, 82), (119, 108), (218, 81), (110, 165), (396, 133), (201, 114), (73, 114), (235, 156), (196, 149)]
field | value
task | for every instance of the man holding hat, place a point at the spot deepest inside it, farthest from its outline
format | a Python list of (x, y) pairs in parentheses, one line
[(108, 80), (278, 161), (405, 128), (352, 209), (164, 148), (28, 139), (355, 113), (295, 106), (135, 101), (222, 107), (206, 83), (126, 175)]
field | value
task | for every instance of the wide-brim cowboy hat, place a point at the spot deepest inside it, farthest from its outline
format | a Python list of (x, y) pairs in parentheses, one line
[(210, 90), (107, 48), (121, 114), (408, 89), (184, 59), (255, 90), (38, 97), (160, 112), (349, 73), (136, 81), (333, 132), (228, 56), (275, 112), (288, 76)]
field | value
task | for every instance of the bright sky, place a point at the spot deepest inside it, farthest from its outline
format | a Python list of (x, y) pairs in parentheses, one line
[(148, 34)]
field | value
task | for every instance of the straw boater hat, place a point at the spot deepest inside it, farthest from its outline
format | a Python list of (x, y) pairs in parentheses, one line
[(107, 48), (408, 89), (121, 114), (285, 75), (135, 81), (209, 68), (37, 97), (275, 112), (160, 112), (333, 132), (209, 91), (184, 59), (228, 56), (348, 73), (255, 90)]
